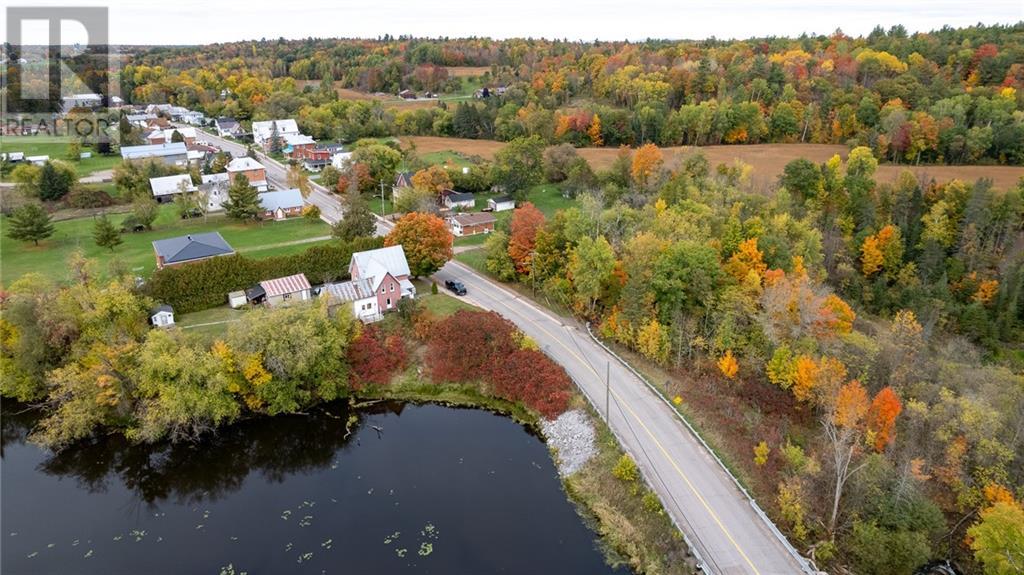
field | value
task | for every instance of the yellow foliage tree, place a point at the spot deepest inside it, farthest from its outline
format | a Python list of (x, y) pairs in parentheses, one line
[(986, 291), (594, 131), (646, 162), (748, 258), (728, 365), (653, 342), (761, 451), (805, 377)]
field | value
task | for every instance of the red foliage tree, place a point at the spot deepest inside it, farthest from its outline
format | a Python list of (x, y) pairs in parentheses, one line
[(463, 346), (533, 379), (526, 222), (885, 408), (374, 358)]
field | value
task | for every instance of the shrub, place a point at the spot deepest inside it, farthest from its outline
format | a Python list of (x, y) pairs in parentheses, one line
[(374, 357), (529, 377), (626, 470), (88, 197), (205, 284)]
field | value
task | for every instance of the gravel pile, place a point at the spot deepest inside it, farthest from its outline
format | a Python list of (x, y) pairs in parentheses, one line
[(572, 435)]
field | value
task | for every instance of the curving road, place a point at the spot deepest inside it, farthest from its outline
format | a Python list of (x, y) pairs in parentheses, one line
[(722, 525), (720, 522)]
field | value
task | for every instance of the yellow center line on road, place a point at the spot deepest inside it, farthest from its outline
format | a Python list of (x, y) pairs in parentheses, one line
[(664, 451)]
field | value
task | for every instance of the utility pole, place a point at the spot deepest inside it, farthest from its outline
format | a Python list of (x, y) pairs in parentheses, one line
[(607, 392), (382, 198)]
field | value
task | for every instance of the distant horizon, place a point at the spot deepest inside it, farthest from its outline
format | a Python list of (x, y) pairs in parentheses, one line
[(197, 23)]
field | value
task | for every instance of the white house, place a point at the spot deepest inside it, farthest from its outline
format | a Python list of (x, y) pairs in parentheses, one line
[(165, 187), (338, 160), (501, 204), (37, 160), (388, 272), (453, 200), (360, 294), (215, 188), (162, 316), (261, 131)]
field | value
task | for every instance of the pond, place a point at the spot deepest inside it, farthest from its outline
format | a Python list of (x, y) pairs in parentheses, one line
[(414, 489)]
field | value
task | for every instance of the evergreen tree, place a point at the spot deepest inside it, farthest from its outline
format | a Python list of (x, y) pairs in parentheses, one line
[(243, 200), (105, 234), (357, 221), (54, 183), (29, 223), (275, 139)]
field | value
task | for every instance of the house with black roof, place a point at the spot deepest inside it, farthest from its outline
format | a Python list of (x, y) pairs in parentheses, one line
[(190, 248)]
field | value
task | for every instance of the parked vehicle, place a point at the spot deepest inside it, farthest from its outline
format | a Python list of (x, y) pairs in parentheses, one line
[(455, 287)]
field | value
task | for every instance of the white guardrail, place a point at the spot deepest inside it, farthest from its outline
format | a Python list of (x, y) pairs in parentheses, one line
[(804, 564)]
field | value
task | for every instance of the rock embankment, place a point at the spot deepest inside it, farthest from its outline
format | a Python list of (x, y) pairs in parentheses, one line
[(571, 435)]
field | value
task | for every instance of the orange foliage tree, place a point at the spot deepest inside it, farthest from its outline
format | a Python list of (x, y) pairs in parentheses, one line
[(426, 241), (728, 365), (434, 178), (526, 222), (647, 161), (885, 408)]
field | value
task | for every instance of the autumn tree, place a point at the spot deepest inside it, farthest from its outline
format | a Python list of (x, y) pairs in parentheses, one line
[(591, 264), (881, 422), (728, 366), (747, 260), (434, 178), (356, 221), (526, 222), (646, 165), (298, 180), (594, 132), (426, 241), (998, 538), (375, 357), (519, 165)]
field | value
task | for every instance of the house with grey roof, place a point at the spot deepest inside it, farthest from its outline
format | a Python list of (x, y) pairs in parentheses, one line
[(388, 273), (175, 154), (281, 204), (359, 293), (190, 248)]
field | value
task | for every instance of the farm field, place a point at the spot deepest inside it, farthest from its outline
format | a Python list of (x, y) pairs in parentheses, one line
[(258, 240), (768, 160)]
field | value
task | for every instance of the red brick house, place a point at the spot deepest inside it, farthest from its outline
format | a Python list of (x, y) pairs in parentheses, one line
[(470, 224), (251, 169)]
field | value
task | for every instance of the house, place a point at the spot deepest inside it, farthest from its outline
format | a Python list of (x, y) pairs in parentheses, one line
[(166, 187), (162, 316), (251, 169), (228, 127), (139, 120), (281, 204), (37, 160), (294, 143), (13, 157), (167, 135), (452, 200), (158, 109), (177, 112), (388, 273), (190, 248), (501, 204), (287, 289), (198, 154), (470, 224), (194, 118), (361, 295), (175, 154), (403, 181), (262, 131), (237, 299), (339, 159), (316, 159), (215, 189), (81, 101)]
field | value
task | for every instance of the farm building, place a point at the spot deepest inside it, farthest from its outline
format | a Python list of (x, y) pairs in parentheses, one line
[(287, 289), (190, 248), (360, 294), (165, 188), (281, 204), (501, 204), (175, 154), (471, 224)]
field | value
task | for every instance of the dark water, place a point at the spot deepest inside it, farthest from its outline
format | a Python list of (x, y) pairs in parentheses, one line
[(439, 490)]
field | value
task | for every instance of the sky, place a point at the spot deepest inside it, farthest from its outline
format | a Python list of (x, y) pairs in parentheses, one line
[(209, 21)]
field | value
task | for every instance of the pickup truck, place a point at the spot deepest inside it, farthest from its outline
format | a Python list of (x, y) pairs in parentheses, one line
[(455, 287)]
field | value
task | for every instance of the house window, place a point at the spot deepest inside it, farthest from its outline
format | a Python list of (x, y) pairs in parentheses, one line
[(392, 288), (286, 296), (389, 302)]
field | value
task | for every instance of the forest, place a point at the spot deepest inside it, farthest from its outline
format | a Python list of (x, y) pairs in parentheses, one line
[(948, 96)]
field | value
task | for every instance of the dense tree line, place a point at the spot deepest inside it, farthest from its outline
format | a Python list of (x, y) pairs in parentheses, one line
[(951, 95), (860, 332)]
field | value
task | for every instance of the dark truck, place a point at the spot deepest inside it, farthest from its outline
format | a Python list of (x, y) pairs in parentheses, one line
[(455, 287)]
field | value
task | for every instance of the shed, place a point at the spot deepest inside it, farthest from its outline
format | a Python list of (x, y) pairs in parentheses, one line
[(289, 288), (501, 203), (162, 316), (237, 299)]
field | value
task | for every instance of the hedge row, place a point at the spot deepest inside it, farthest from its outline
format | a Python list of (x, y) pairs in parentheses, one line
[(205, 284)]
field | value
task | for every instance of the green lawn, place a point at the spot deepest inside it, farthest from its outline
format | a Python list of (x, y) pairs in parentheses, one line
[(474, 259), (18, 258), (446, 157), (218, 318), (56, 147), (548, 199)]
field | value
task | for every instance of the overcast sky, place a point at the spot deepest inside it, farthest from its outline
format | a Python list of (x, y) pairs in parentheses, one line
[(207, 21)]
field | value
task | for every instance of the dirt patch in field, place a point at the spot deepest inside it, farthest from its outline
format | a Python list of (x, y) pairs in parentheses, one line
[(467, 71), (768, 160)]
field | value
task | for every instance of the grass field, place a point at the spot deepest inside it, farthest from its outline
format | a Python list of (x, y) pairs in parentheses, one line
[(768, 160), (18, 258), (216, 320), (56, 147)]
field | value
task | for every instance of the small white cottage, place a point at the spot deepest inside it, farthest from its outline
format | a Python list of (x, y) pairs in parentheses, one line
[(162, 316)]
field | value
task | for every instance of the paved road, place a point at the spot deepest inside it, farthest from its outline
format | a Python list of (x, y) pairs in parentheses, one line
[(717, 518)]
